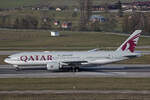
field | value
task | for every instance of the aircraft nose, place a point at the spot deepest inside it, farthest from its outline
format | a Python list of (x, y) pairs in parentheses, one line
[(7, 60)]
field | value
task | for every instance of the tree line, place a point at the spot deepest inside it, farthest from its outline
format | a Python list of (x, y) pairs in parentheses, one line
[(23, 22), (129, 23)]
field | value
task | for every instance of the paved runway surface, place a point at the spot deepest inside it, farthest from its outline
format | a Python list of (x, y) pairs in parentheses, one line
[(7, 71)]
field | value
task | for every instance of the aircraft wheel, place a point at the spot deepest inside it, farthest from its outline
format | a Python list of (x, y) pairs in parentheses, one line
[(18, 69), (75, 69)]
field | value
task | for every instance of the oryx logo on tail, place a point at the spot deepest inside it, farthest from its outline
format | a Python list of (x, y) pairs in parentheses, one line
[(131, 42)]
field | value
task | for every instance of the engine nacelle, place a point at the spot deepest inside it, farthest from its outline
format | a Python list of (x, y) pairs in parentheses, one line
[(53, 66)]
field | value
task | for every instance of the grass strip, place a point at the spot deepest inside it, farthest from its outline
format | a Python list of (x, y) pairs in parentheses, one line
[(10, 84), (42, 39)]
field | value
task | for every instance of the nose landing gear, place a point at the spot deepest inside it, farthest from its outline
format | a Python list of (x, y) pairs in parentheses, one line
[(16, 67)]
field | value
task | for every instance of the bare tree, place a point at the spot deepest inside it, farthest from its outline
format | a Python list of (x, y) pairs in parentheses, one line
[(120, 12), (85, 13), (136, 21)]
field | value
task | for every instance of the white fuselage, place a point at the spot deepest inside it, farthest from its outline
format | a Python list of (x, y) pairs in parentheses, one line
[(37, 58)]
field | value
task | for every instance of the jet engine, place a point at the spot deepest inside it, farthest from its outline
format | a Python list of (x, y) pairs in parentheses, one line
[(53, 66)]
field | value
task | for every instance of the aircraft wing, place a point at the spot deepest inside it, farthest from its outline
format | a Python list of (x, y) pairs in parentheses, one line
[(96, 49), (74, 62)]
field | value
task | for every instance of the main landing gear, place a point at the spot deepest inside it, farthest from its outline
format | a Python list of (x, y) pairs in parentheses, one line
[(70, 68), (75, 69)]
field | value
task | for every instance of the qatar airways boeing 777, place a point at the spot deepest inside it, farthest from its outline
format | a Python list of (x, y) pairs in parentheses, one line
[(55, 61)]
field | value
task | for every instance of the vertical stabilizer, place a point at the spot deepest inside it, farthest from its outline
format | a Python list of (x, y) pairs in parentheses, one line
[(130, 44)]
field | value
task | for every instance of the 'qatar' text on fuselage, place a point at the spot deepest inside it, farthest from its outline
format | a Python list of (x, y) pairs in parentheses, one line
[(36, 58)]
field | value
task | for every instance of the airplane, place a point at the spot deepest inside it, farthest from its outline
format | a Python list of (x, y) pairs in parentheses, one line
[(60, 60)]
